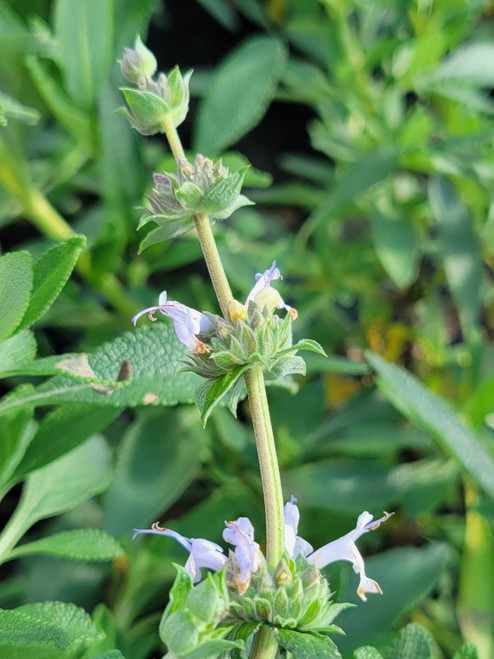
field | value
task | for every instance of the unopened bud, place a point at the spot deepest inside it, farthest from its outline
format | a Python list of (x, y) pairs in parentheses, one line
[(138, 62), (236, 311)]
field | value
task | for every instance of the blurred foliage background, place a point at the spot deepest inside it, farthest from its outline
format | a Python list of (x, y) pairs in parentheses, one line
[(368, 125)]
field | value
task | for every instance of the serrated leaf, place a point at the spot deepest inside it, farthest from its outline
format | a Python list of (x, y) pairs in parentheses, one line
[(307, 645), (17, 350), (87, 545), (50, 272), (211, 392), (16, 281), (60, 486), (429, 411), (240, 93), (84, 32), (46, 630), (155, 356), (412, 641)]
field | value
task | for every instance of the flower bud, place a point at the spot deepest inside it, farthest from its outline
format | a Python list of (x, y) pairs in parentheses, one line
[(236, 311), (137, 63)]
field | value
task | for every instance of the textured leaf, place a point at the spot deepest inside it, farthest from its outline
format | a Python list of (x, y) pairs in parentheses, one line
[(157, 459), (16, 280), (429, 411), (154, 354), (16, 431), (50, 273), (405, 575), (240, 93), (467, 651), (211, 392), (84, 31), (46, 630), (17, 350), (308, 645), (412, 641), (79, 545), (367, 652), (460, 249)]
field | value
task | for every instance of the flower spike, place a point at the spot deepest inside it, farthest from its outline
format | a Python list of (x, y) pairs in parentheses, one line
[(186, 321)]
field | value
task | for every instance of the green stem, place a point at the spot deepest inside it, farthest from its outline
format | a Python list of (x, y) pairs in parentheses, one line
[(173, 140), (268, 463), (265, 645), (213, 261)]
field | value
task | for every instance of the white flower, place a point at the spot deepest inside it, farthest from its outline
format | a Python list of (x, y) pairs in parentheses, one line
[(263, 294), (203, 553), (186, 321), (342, 549), (247, 552)]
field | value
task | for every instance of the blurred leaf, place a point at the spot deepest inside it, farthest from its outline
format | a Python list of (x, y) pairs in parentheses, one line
[(460, 249), (17, 350), (429, 411), (60, 486), (307, 645), (367, 652), (50, 272), (473, 62), (84, 32), (397, 247), (222, 12), (85, 545), (46, 630), (16, 277), (109, 654), (157, 459), (467, 651), (154, 354), (240, 93), (12, 109), (405, 575), (62, 430), (17, 431)]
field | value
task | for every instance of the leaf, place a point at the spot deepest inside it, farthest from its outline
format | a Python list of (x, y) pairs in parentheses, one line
[(62, 430), (405, 575), (154, 354), (308, 645), (467, 651), (16, 280), (50, 272), (157, 459), (109, 654), (84, 32), (85, 545), (473, 63), (240, 93), (210, 392), (12, 109), (367, 652), (61, 486), (16, 431), (460, 250), (412, 641), (396, 245), (46, 630), (17, 350), (433, 414), (166, 230)]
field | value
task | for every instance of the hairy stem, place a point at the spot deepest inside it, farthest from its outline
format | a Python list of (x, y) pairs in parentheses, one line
[(173, 140)]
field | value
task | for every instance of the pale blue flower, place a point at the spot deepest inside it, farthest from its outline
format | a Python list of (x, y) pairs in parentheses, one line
[(264, 294), (203, 553), (247, 552), (186, 321), (342, 549)]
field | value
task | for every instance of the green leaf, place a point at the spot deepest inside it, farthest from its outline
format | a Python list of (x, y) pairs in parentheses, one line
[(109, 654), (46, 630), (12, 109), (473, 63), (157, 459), (17, 431), (367, 652), (16, 280), (430, 412), (165, 231), (59, 487), (412, 641), (467, 651), (17, 350), (308, 645), (396, 244), (210, 392), (240, 93), (85, 545), (84, 32), (62, 430), (307, 344), (405, 575), (460, 250), (154, 354), (50, 273), (145, 106)]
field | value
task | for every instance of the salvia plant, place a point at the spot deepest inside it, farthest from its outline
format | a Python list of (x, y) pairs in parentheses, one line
[(204, 473)]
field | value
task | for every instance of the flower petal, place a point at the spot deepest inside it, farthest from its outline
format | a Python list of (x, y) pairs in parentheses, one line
[(247, 552)]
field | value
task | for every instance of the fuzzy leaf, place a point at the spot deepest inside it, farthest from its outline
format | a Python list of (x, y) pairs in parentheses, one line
[(17, 350), (307, 645), (210, 392), (86, 545), (16, 281)]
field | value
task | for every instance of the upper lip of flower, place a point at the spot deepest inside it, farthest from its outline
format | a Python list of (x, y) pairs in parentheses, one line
[(188, 322), (263, 281)]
